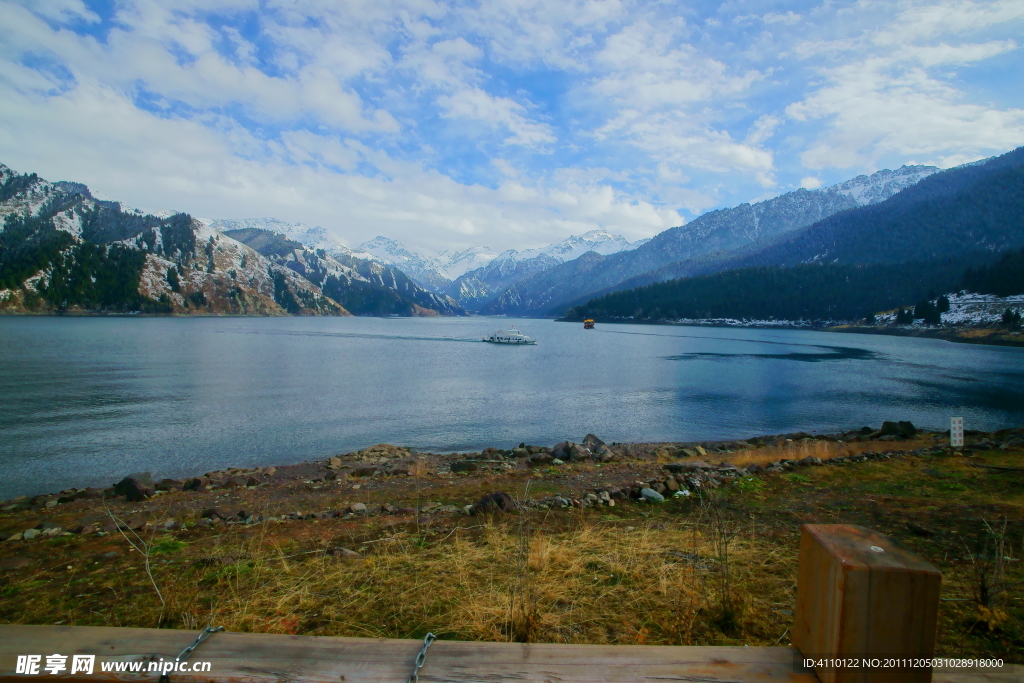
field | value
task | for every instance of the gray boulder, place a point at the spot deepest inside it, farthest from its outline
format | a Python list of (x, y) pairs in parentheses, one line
[(651, 496), (134, 488), (542, 459), (499, 501)]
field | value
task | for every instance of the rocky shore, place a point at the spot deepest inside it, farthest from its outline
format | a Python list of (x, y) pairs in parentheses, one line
[(582, 542), (398, 482)]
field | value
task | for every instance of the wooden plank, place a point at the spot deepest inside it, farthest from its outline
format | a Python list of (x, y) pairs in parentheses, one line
[(268, 658), (258, 658), (859, 594)]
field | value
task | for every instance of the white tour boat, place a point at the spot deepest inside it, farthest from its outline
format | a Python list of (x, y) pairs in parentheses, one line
[(512, 336)]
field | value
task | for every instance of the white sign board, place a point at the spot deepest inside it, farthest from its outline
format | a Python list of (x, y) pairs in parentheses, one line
[(956, 432)]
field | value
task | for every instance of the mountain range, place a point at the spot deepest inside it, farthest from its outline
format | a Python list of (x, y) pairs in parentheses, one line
[(923, 240), (362, 285), (547, 280), (472, 276), (61, 249), (551, 291)]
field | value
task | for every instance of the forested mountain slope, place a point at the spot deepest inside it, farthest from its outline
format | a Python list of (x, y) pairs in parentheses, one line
[(956, 229), (714, 232), (362, 286), (61, 250)]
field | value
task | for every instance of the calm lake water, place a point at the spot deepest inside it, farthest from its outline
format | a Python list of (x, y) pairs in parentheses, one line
[(85, 401)]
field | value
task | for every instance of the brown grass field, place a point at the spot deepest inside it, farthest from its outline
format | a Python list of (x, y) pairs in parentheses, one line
[(713, 569)]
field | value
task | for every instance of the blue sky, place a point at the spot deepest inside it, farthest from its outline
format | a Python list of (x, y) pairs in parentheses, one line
[(506, 123)]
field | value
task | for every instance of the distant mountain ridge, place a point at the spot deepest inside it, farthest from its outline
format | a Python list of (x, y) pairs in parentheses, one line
[(362, 286), (62, 249), (470, 276), (473, 275), (723, 230), (977, 207), (921, 241), (477, 287)]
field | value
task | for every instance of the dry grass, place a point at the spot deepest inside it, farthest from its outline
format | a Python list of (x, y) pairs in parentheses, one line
[(630, 574), (826, 450), (593, 582)]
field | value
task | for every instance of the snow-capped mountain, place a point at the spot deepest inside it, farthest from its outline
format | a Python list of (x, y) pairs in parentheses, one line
[(454, 264), (363, 286), (718, 231), (425, 271), (65, 250), (478, 272), (599, 241), (476, 287), (877, 187), (311, 238)]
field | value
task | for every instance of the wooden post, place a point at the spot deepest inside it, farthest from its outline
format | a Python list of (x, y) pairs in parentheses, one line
[(862, 597)]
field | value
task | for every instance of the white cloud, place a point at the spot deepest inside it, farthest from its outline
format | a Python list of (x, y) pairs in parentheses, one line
[(477, 105), (886, 97), (789, 17), (559, 35), (358, 115), (763, 129), (810, 183), (95, 135), (62, 11)]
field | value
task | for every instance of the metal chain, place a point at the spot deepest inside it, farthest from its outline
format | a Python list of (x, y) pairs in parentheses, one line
[(421, 658), (203, 635)]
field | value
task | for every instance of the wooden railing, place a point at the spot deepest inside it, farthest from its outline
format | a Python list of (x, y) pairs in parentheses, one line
[(860, 596)]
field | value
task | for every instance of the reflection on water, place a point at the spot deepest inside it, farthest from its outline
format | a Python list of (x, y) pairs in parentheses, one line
[(84, 401), (828, 353)]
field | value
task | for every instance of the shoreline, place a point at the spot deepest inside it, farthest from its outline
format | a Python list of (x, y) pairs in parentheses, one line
[(385, 463), (962, 335), (625, 533), (969, 335)]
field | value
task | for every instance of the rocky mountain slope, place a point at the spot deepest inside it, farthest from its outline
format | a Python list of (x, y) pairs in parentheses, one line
[(471, 277), (364, 287), (714, 232), (63, 250), (311, 238)]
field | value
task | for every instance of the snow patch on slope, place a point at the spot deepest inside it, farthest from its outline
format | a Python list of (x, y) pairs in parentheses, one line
[(880, 186), (967, 308), (600, 241)]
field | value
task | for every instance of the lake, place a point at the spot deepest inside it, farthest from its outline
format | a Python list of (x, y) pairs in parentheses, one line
[(85, 401)]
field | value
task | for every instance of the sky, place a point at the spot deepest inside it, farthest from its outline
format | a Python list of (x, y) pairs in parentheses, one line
[(499, 123)]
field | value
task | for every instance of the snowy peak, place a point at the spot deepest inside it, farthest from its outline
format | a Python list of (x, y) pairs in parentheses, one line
[(423, 271), (475, 287), (391, 251), (574, 246), (311, 238), (879, 186), (454, 264)]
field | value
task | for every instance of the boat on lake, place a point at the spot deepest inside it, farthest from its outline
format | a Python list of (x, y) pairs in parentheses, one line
[(512, 336), (588, 324)]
